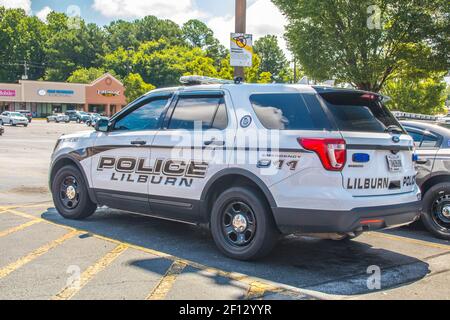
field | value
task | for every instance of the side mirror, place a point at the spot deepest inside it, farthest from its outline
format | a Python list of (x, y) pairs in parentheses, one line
[(102, 125)]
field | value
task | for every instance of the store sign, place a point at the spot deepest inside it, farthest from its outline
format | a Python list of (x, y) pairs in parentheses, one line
[(109, 93), (7, 93), (55, 93), (241, 51)]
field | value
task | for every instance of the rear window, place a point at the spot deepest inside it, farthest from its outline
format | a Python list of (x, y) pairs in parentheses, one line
[(359, 112), (289, 111)]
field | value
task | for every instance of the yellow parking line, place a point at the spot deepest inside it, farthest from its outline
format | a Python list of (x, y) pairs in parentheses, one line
[(257, 290), (409, 240), (226, 274), (35, 254), (18, 228), (167, 281), (23, 214), (69, 291)]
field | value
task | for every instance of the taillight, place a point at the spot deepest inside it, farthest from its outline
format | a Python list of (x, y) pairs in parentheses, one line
[(332, 152)]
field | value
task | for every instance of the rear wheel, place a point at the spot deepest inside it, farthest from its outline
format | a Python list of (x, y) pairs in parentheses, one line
[(1, 122), (436, 210), (70, 194), (242, 224)]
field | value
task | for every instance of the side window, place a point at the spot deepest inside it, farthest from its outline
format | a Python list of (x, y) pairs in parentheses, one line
[(429, 141), (208, 112), (289, 111), (146, 117), (417, 136)]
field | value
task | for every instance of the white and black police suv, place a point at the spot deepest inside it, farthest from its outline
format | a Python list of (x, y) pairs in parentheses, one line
[(251, 161)]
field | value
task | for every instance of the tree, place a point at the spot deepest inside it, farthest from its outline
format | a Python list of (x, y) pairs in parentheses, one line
[(135, 86), (22, 38), (88, 75), (365, 42), (70, 47), (272, 57), (198, 34), (417, 95), (121, 34)]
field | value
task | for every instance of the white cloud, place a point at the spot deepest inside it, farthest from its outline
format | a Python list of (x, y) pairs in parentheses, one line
[(23, 4), (179, 11), (263, 18), (43, 13)]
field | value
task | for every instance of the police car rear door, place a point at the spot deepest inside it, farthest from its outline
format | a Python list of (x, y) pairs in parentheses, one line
[(379, 151), (198, 129)]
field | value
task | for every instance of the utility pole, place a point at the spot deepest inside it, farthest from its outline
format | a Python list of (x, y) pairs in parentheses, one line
[(240, 27), (25, 70)]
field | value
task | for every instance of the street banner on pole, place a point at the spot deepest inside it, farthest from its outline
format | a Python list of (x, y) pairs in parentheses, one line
[(241, 52)]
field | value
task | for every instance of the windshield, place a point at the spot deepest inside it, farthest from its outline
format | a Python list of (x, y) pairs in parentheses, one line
[(359, 111), (16, 114)]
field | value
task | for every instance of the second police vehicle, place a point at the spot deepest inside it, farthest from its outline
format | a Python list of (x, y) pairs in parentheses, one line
[(251, 161)]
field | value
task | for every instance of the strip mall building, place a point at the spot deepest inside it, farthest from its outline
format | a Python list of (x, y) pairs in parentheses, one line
[(105, 95)]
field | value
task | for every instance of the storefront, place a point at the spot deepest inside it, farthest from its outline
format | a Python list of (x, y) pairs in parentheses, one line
[(105, 95)]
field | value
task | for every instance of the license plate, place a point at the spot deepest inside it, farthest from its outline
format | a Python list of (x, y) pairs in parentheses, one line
[(394, 163)]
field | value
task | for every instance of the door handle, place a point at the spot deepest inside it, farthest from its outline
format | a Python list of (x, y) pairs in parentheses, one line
[(139, 143), (214, 142)]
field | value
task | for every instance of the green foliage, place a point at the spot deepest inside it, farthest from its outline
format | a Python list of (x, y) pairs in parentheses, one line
[(88, 75), (412, 94), (252, 74), (21, 38), (272, 57), (339, 39), (135, 86)]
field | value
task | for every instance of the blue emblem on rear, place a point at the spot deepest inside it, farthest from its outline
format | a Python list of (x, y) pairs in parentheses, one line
[(361, 157), (396, 139)]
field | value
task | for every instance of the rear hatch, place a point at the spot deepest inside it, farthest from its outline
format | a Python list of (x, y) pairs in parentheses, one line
[(379, 151)]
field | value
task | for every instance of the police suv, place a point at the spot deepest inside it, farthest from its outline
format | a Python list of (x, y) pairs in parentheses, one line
[(251, 161)]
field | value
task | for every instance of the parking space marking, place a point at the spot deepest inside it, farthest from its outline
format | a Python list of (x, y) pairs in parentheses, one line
[(18, 228), (167, 281), (413, 241), (258, 289), (69, 291), (36, 253), (230, 275)]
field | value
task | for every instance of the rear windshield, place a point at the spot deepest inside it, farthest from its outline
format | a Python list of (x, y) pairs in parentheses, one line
[(356, 111), (289, 111)]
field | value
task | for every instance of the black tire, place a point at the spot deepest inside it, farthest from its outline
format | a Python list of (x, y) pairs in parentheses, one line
[(78, 120), (48, 120), (265, 233), (433, 218), (82, 206), (25, 125), (1, 122)]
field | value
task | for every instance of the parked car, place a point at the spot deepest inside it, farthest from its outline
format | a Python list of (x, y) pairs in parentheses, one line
[(432, 141), (58, 117), (2, 130), (13, 118), (340, 165), (26, 113), (93, 117), (78, 116)]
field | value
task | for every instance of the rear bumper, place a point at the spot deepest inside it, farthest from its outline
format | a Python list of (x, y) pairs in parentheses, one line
[(359, 219)]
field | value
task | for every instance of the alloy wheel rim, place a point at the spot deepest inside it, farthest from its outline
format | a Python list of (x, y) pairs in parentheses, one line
[(69, 192), (238, 224), (441, 211)]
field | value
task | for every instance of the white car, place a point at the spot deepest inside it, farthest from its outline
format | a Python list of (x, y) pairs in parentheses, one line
[(58, 117), (251, 161), (13, 118)]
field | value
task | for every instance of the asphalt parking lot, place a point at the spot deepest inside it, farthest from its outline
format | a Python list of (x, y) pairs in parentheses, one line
[(116, 255)]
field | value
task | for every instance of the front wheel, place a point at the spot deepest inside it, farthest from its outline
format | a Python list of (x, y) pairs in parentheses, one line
[(436, 210), (70, 194), (242, 224)]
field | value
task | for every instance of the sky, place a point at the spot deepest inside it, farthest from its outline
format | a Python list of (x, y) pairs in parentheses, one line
[(263, 17)]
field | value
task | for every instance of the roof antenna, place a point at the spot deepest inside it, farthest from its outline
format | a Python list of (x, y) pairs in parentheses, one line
[(238, 80)]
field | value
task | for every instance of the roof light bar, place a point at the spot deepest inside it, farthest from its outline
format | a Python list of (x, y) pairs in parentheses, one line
[(197, 80)]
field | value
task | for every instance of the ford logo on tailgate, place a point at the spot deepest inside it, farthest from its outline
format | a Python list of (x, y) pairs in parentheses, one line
[(396, 139)]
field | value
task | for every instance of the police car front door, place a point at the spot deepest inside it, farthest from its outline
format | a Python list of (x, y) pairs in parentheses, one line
[(121, 165)]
